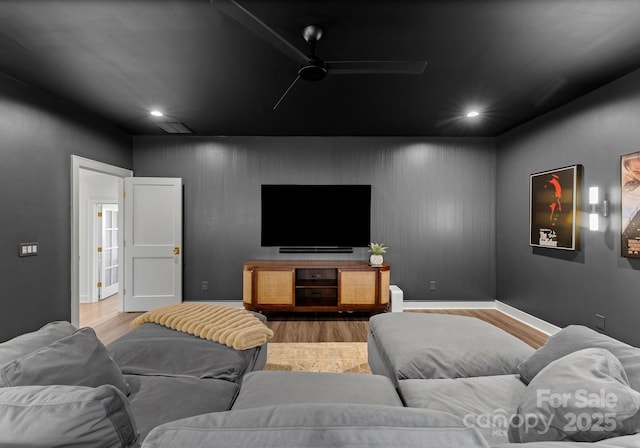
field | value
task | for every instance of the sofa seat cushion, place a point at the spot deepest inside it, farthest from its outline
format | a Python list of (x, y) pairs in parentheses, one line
[(152, 349), (583, 397), (157, 399), (485, 402), (317, 425), (79, 359), (66, 416), (29, 342), (426, 346), (577, 337), (268, 388)]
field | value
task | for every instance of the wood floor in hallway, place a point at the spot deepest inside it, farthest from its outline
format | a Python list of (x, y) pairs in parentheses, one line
[(105, 319)]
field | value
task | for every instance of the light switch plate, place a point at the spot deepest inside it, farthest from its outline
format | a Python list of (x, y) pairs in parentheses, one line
[(28, 249)]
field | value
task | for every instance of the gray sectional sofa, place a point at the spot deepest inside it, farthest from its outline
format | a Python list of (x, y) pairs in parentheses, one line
[(581, 387), (438, 381), (60, 386)]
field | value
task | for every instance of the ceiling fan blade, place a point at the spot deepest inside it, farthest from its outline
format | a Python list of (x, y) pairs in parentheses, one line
[(376, 67), (243, 16), (285, 92)]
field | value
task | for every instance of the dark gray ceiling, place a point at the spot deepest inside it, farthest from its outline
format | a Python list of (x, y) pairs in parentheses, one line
[(511, 59)]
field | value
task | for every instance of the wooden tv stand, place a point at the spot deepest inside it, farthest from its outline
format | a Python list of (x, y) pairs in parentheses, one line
[(279, 285)]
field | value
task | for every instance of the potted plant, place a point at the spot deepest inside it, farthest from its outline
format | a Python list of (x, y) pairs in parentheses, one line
[(376, 250)]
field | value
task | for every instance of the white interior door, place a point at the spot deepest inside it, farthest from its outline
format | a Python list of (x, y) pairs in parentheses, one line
[(152, 242)]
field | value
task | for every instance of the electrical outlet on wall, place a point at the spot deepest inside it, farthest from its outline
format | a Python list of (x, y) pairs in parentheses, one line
[(432, 285), (600, 322), (205, 286)]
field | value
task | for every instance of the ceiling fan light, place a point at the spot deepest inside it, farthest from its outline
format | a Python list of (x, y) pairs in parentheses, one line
[(313, 70), (472, 114), (156, 113)]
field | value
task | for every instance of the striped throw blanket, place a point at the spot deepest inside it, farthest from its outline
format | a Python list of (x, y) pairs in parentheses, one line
[(234, 327)]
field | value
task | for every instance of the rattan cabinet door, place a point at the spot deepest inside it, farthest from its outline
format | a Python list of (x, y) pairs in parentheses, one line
[(274, 287), (357, 287)]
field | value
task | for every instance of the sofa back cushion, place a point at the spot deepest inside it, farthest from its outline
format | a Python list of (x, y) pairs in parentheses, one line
[(79, 359), (30, 342), (583, 397), (317, 425), (66, 416), (577, 337)]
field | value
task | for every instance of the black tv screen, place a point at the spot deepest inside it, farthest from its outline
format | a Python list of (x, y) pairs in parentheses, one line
[(316, 215)]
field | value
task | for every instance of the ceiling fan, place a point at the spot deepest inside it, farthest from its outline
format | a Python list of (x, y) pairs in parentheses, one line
[(311, 67)]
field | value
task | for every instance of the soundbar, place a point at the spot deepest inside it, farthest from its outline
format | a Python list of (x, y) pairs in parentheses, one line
[(316, 250)]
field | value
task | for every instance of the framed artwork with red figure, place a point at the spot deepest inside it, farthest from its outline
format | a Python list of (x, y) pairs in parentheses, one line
[(554, 216), (630, 204)]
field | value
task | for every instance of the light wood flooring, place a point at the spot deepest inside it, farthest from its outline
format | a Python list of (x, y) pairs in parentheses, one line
[(354, 328), (104, 318)]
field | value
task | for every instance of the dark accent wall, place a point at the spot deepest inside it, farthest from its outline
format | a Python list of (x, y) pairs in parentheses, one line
[(570, 287), (433, 204), (451, 210), (38, 135)]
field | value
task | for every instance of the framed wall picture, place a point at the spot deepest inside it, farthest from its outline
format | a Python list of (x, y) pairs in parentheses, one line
[(554, 217), (630, 204)]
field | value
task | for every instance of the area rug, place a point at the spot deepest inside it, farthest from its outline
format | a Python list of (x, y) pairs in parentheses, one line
[(340, 357)]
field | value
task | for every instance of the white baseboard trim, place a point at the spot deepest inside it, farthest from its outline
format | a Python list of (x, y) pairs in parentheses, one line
[(85, 299), (434, 305), (537, 323), (532, 321)]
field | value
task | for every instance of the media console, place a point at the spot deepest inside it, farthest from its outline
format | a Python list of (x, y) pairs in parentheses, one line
[(286, 285)]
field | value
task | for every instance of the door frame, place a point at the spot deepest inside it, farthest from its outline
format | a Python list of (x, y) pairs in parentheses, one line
[(78, 163)]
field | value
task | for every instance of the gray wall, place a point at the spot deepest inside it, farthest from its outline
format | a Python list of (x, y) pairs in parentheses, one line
[(560, 287), (38, 135), (433, 204)]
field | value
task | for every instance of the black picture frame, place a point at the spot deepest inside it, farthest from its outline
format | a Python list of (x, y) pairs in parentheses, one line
[(553, 203)]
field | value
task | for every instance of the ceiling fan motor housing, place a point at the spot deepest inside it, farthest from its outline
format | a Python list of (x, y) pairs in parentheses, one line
[(312, 70)]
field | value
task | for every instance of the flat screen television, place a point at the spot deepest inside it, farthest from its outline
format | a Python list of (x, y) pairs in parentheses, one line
[(316, 216)]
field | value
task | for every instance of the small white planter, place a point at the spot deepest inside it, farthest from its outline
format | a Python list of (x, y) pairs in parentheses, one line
[(375, 260)]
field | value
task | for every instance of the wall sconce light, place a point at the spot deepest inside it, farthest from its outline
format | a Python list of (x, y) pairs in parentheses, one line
[(596, 208)]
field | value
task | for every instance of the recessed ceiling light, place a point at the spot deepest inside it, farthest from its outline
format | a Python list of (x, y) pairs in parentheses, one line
[(156, 113), (473, 113)]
